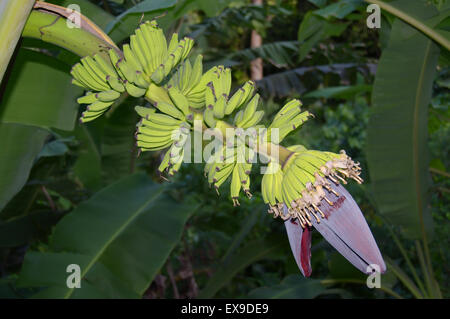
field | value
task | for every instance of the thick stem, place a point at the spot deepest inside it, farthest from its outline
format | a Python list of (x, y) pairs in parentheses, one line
[(278, 152), (54, 29)]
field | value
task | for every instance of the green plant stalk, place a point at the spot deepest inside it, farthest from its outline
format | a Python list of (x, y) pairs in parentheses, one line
[(267, 150), (361, 282), (408, 262), (425, 270), (13, 15), (53, 29), (422, 27), (404, 279)]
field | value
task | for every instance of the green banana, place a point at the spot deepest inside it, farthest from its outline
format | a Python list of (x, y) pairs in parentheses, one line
[(169, 109), (99, 106), (107, 96), (235, 186), (179, 100), (164, 163), (133, 90), (219, 107), (144, 111), (87, 99), (162, 119)]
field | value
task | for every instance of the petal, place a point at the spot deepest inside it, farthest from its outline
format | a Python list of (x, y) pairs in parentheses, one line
[(346, 229), (300, 241)]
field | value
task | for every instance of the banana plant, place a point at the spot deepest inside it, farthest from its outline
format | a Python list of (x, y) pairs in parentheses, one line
[(302, 187)]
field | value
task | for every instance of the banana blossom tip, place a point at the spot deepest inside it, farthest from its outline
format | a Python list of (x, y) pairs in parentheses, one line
[(344, 227)]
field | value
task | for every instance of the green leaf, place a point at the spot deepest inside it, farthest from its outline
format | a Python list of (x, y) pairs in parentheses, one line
[(397, 134), (340, 92), (315, 29), (54, 148), (292, 287), (247, 226), (318, 3), (118, 142), (22, 230), (420, 15), (120, 238), (212, 8), (339, 9), (146, 7), (88, 166), (252, 252), (39, 92), (279, 53), (20, 146), (403, 277)]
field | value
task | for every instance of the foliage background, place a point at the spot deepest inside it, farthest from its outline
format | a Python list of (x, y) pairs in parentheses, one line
[(315, 50)]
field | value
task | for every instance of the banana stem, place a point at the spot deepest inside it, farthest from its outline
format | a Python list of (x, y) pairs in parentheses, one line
[(13, 15), (278, 152), (53, 28)]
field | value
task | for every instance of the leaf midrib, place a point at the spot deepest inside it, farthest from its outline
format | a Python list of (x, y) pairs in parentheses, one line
[(415, 135)]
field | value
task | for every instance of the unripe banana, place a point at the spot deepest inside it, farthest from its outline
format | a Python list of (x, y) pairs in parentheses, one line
[(106, 66), (257, 117), (131, 59), (107, 96), (235, 186), (141, 54), (144, 111), (115, 84), (164, 163), (88, 64), (99, 106), (133, 90), (219, 107), (86, 117), (163, 119), (208, 116), (234, 101), (179, 100), (145, 130), (87, 99), (169, 109)]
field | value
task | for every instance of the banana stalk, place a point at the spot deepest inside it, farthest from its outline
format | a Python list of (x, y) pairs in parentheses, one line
[(52, 27)]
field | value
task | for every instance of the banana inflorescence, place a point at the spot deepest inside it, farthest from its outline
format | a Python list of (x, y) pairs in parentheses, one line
[(179, 91)]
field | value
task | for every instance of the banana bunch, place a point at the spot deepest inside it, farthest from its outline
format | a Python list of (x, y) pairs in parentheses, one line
[(173, 103), (289, 118), (217, 101), (148, 59), (249, 116), (240, 177), (271, 184), (173, 158), (156, 131), (305, 181), (219, 166), (150, 56), (191, 82), (98, 75), (234, 161)]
